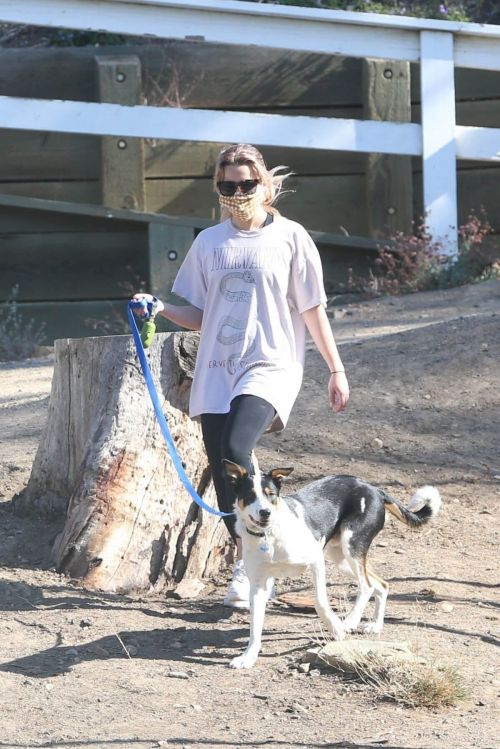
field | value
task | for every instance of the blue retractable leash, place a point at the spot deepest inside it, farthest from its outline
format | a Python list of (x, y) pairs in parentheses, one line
[(156, 402)]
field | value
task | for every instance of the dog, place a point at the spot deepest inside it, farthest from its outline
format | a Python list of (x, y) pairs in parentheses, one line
[(336, 517)]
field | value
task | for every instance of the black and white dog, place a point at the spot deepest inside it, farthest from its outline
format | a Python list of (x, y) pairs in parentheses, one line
[(336, 517)]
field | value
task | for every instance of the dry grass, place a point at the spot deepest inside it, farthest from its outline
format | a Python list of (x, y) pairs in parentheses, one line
[(413, 684)]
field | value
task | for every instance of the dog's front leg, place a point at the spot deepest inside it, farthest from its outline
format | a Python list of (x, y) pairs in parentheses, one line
[(323, 608), (259, 594)]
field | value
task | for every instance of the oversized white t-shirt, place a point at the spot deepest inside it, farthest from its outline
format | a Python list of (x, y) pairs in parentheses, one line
[(252, 287)]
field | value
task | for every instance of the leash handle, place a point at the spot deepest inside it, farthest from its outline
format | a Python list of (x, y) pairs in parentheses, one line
[(162, 420)]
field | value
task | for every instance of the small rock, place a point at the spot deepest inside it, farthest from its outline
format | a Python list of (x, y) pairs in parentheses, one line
[(315, 672), (484, 347), (377, 443), (197, 708), (304, 667), (447, 607), (427, 397), (177, 675), (399, 551), (190, 588), (72, 652), (132, 649), (85, 623), (383, 544), (347, 654)]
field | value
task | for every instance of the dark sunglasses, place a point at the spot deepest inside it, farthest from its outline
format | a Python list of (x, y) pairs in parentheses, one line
[(246, 186)]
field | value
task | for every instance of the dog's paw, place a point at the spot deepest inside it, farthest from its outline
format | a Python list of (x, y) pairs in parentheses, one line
[(371, 628), (350, 625), (246, 660)]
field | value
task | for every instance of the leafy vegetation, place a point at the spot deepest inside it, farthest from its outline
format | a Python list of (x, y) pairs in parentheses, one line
[(479, 11), (416, 262)]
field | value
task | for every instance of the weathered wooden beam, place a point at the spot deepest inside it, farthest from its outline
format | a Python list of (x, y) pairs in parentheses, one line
[(389, 191), (167, 248), (122, 158)]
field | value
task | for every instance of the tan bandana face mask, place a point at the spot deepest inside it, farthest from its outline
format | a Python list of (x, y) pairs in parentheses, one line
[(242, 206)]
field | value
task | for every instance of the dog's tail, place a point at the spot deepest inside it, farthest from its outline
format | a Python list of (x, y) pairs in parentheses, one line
[(424, 505)]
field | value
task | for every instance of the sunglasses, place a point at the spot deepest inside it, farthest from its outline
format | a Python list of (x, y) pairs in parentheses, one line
[(228, 189)]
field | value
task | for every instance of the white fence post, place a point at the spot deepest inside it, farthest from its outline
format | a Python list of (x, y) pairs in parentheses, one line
[(439, 157)]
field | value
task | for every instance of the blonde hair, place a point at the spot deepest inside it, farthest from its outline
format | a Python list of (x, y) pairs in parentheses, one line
[(272, 182)]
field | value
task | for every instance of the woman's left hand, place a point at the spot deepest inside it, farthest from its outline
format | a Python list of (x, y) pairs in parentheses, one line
[(338, 391)]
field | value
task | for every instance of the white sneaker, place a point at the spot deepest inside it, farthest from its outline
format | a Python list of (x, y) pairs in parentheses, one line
[(238, 593)]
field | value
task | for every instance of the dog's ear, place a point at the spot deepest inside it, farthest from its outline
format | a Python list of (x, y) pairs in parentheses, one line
[(278, 474), (233, 471)]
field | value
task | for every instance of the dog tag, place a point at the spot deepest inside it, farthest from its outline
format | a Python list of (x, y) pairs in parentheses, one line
[(264, 547)]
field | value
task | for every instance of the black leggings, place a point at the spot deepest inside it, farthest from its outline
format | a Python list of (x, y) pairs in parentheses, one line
[(233, 436)]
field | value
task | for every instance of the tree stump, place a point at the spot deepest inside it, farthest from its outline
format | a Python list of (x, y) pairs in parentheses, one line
[(103, 463)]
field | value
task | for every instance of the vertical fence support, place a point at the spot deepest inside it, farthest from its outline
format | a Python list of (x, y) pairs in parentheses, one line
[(438, 138), (122, 159), (389, 187), (168, 246)]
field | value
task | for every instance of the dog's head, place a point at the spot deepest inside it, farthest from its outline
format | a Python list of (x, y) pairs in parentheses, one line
[(257, 497)]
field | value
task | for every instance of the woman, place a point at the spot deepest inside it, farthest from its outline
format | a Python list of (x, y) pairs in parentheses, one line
[(254, 284)]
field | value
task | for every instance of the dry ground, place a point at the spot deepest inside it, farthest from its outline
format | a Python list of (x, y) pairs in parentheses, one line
[(81, 669)]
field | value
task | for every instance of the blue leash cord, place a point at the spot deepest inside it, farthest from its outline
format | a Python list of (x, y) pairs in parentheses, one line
[(162, 420)]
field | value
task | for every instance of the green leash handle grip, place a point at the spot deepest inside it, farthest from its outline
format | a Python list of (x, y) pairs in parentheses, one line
[(148, 333)]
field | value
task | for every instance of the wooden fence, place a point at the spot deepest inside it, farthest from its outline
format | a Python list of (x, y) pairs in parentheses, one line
[(60, 255)]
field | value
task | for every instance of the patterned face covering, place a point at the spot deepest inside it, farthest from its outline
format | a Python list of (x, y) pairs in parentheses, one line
[(242, 206)]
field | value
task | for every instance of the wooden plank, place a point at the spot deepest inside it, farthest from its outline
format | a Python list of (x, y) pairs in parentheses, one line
[(64, 266), (326, 203), (195, 159), (36, 156), (27, 220), (81, 191), (477, 53), (42, 156), (65, 207), (389, 199), (478, 143), (481, 113), (470, 85), (122, 159), (199, 74), (341, 266), (211, 126), (214, 76)]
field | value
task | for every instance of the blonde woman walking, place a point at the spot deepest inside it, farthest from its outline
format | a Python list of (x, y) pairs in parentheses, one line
[(254, 285)]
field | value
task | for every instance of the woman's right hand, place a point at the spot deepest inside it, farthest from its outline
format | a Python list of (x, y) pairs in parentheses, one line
[(145, 303)]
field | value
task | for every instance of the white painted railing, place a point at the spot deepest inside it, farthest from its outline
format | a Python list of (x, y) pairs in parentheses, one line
[(439, 46)]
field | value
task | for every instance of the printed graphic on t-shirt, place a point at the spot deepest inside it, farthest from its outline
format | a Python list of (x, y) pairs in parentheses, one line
[(235, 287)]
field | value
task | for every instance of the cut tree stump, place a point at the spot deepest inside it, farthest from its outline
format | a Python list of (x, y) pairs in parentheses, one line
[(103, 464)]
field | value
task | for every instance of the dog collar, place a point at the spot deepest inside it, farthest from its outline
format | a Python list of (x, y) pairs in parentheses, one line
[(252, 533)]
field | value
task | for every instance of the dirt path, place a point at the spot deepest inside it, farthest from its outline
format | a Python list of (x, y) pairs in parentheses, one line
[(424, 371)]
